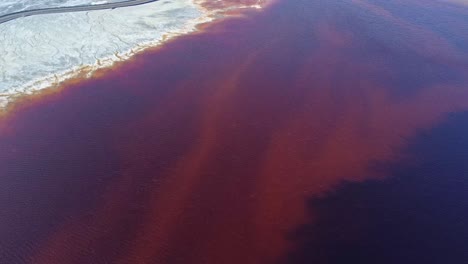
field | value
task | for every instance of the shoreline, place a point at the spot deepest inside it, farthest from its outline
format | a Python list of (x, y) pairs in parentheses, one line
[(231, 131), (54, 80)]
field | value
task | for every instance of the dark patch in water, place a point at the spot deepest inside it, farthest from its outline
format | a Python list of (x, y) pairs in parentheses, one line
[(203, 150), (418, 215)]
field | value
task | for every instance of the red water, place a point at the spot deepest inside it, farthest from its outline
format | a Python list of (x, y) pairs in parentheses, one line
[(204, 150)]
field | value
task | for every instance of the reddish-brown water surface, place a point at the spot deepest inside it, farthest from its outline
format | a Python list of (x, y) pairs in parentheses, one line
[(205, 150)]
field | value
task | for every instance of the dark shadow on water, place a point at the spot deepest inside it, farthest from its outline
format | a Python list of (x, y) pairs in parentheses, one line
[(418, 215)]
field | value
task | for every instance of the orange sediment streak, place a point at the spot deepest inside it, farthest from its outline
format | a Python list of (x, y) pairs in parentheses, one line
[(231, 130)]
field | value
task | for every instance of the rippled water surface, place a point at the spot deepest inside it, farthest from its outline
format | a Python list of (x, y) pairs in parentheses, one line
[(307, 132)]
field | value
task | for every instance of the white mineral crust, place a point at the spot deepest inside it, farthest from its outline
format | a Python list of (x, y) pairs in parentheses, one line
[(39, 51)]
